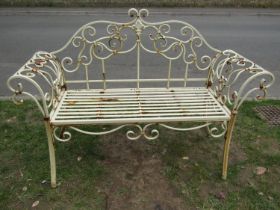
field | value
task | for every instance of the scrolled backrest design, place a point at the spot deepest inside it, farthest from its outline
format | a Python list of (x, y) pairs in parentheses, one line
[(172, 39)]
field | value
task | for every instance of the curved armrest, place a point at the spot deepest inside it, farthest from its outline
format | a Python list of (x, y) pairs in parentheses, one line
[(43, 74), (233, 78)]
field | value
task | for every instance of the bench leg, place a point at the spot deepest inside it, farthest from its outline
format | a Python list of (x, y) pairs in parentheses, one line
[(49, 130), (228, 136)]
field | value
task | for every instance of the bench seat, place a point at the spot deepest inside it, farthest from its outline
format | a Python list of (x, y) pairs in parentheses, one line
[(144, 105)]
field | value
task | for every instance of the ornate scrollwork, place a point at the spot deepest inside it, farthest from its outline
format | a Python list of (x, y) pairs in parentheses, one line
[(42, 66), (63, 136), (135, 131), (132, 135), (184, 45), (217, 130), (230, 67)]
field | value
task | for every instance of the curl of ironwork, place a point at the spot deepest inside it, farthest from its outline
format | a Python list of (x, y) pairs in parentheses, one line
[(44, 66), (135, 131), (228, 68), (114, 41), (217, 130), (60, 134)]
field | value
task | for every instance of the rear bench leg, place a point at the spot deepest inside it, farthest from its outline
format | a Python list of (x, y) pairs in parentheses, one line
[(49, 131), (228, 137)]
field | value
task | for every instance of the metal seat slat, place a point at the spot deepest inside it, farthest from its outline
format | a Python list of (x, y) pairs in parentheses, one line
[(132, 105)]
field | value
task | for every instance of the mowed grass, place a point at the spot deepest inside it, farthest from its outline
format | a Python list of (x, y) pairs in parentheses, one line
[(189, 162)]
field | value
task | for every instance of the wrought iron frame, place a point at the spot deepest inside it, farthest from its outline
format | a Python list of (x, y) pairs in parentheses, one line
[(224, 69)]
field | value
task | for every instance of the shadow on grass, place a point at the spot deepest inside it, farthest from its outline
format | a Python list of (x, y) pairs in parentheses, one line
[(177, 171)]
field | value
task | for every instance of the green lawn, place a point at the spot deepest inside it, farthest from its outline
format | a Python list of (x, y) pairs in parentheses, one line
[(176, 171)]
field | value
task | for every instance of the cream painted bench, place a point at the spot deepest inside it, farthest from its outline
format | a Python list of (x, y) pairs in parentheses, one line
[(208, 89)]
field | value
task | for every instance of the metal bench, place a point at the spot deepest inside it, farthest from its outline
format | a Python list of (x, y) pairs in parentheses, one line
[(208, 88)]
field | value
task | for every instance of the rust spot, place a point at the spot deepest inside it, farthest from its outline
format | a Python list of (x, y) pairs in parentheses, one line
[(209, 83), (46, 118), (71, 102), (241, 61), (61, 135), (35, 69), (64, 87), (98, 114), (104, 76), (39, 61), (172, 91), (47, 56), (108, 99), (102, 92)]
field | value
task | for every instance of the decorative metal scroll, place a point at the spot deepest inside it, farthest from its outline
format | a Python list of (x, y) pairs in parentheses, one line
[(135, 131), (230, 67), (41, 68), (183, 46)]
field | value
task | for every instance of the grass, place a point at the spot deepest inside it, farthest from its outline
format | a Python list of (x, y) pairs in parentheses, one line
[(120, 174), (141, 3)]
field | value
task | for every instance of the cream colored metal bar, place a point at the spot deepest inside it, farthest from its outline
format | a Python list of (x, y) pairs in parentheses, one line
[(138, 59), (141, 120), (169, 73), (140, 80), (186, 75), (113, 108), (49, 131), (133, 100), (184, 129), (137, 112), (159, 103), (133, 92), (157, 89), (124, 96), (103, 73), (87, 78), (110, 104)]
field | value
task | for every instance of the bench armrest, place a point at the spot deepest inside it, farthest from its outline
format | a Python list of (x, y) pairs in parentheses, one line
[(41, 75), (233, 78)]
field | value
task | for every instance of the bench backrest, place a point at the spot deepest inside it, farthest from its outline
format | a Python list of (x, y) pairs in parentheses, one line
[(105, 54)]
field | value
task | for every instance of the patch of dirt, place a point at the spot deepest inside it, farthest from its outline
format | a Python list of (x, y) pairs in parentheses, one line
[(268, 146), (245, 176), (135, 178), (217, 189)]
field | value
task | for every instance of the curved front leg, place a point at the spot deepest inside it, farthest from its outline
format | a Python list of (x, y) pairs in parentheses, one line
[(49, 130), (228, 136)]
